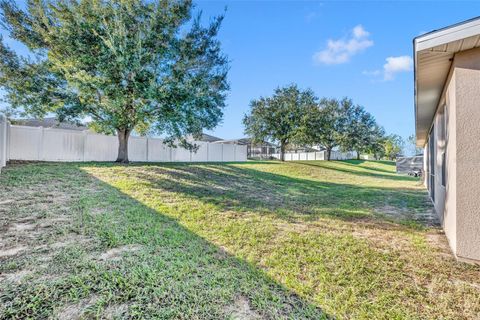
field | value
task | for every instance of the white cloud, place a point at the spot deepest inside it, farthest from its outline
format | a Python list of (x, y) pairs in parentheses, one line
[(392, 66), (395, 65), (359, 32), (341, 50)]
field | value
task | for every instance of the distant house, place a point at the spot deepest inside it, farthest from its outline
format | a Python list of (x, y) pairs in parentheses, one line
[(266, 150), (299, 149), (208, 138), (50, 122), (447, 123), (262, 150)]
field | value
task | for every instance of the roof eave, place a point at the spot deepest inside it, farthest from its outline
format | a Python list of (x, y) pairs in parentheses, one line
[(429, 41)]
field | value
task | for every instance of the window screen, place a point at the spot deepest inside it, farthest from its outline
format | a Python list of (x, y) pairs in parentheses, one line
[(431, 156), (444, 170)]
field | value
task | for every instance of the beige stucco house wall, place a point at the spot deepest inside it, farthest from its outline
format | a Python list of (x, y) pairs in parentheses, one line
[(447, 119)]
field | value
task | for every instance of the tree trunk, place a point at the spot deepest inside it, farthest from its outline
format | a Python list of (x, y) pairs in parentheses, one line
[(123, 135), (358, 155), (329, 152), (282, 151)]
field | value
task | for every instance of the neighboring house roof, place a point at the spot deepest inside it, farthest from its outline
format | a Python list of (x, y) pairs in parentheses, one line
[(433, 54), (50, 123), (208, 138)]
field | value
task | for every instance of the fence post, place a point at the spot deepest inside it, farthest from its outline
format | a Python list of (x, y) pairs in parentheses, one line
[(84, 134), (146, 150), (7, 149), (3, 141), (40, 144)]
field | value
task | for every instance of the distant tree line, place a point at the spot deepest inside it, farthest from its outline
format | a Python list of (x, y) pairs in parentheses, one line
[(292, 116)]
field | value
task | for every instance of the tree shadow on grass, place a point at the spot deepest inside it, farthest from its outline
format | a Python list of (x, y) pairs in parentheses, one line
[(356, 163), (358, 171), (175, 274), (244, 189)]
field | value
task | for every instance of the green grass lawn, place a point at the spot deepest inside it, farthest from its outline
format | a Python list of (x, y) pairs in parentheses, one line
[(255, 240)]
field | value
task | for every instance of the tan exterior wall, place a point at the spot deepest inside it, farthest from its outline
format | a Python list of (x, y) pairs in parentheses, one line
[(449, 214), (458, 203), (467, 86)]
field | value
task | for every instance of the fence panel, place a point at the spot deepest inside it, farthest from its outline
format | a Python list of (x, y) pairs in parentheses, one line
[(181, 155), (62, 145), (137, 149), (215, 152), (202, 153), (158, 151), (228, 152), (240, 153), (25, 143), (99, 147)]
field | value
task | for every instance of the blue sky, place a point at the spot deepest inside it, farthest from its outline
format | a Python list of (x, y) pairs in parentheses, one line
[(336, 48), (273, 43)]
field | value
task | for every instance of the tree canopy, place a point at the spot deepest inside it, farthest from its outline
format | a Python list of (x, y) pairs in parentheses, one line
[(360, 130), (130, 65), (295, 117), (324, 124), (393, 146), (279, 118)]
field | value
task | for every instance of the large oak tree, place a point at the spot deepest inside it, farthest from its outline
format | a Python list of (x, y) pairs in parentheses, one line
[(130, 65), (361, 131), (279, 118), (324, 124)]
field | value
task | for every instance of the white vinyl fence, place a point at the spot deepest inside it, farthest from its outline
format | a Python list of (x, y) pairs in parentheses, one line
[(320, 155), (50, 144)]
